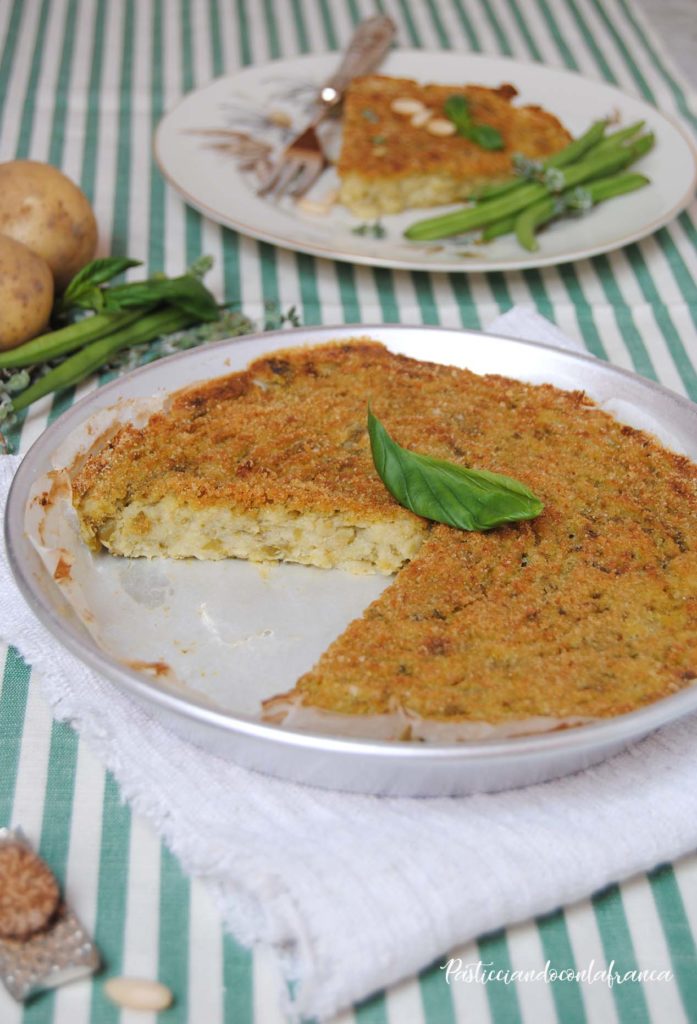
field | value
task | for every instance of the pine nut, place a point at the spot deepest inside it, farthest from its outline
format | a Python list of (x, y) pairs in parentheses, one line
[(439, 126), (422, 118), (405, 106), (138, 993)]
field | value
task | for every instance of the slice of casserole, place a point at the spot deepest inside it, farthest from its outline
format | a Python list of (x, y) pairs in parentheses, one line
[(588, 611), (393, 156), (268, 464)]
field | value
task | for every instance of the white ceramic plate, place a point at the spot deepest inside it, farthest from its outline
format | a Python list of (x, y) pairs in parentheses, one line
[(208, 177), (270, 628)]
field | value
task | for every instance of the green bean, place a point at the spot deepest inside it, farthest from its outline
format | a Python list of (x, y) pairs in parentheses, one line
[(599, 166), (494, 191), (622, 136), (475, 216), (81, 364), (498, 228), (576, 148), (531, 218), (57, 343), (615, 185)]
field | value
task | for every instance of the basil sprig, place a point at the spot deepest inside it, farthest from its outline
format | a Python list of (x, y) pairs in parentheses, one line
[(456, 108), (84, 292), (186, 293), (468, 499)]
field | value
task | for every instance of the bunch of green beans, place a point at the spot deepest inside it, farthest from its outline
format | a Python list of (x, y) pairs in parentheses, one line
[(95, 355), (123, 316), (530, 219), (594, 160)]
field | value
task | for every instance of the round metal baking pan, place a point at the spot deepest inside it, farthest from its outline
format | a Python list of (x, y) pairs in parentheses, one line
[(396, 768)]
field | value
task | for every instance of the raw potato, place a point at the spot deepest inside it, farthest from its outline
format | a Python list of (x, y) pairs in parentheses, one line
[(26, 293), (49, 214)]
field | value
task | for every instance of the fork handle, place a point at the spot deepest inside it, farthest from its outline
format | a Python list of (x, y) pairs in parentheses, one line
[(369, 44)]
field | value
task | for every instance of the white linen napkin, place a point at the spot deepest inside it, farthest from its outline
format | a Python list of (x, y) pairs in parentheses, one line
[(524, 323), (355, 892)]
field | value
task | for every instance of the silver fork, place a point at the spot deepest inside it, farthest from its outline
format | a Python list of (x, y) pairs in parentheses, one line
[(302, 162)]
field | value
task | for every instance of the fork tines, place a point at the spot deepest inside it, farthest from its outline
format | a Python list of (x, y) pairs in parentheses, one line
[(297, 168)]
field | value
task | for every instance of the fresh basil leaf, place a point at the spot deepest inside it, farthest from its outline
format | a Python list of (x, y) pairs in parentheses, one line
[(93, 298), (88, 298), (457, 109), (192, 296), (468, 499), (95, 273), (485, 136)]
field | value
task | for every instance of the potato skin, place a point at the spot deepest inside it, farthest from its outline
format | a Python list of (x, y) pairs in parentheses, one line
[(26, 293), (44, 210)]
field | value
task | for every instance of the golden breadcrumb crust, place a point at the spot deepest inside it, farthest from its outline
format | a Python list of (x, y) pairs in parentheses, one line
[(289, 432), (380, 147), (589, 610)]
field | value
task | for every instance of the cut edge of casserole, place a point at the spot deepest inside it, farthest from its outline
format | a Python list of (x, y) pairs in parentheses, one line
[(372, 197), (172, 529), (291, 711)]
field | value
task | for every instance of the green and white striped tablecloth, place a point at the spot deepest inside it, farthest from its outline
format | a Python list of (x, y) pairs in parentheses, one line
[(82, 85)]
